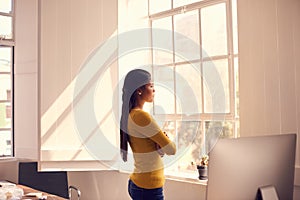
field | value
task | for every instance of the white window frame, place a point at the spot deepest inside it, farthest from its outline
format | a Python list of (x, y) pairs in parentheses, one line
[(232, 116)]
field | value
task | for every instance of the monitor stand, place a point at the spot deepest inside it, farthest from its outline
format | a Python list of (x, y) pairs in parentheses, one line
[(267, 193)]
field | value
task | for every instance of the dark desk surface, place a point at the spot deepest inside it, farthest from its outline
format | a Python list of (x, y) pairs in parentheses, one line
[(31, 190)]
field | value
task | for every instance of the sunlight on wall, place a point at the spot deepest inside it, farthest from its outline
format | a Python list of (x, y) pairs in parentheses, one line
[(82, 124), (61, 139)]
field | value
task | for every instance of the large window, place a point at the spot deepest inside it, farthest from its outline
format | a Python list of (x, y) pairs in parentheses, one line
[(6, 77), (196, 73), (193, 57)]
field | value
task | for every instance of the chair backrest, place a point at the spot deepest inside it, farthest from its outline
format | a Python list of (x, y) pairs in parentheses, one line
[(50, 182)]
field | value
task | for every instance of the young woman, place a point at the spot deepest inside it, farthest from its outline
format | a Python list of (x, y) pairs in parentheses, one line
[(145, 137)]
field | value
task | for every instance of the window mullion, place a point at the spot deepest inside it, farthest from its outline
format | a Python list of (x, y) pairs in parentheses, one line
[(173, 62), (7, 14), (231, 57), (7, 42), (185, 8), (201, 62)]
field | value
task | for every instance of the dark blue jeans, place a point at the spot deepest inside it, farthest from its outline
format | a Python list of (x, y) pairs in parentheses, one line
[(137, 193)]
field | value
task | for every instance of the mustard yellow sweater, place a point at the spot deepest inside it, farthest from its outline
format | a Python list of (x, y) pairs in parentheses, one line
[(144, 135)]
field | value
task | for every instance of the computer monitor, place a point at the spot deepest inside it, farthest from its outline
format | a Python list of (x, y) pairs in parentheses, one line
[(55, 182), (238, 167)]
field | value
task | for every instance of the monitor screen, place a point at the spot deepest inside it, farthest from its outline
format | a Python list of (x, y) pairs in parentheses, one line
[(238, 167)]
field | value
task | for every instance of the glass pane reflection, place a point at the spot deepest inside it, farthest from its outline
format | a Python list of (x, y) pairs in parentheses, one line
[(213, 27), (216, 86), (162, 56), (6, 6), (188, 89), (6, 27), (164, 100), (190, 36)]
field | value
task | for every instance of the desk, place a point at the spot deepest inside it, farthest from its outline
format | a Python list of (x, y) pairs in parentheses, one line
[(31, 190), (8, 188)]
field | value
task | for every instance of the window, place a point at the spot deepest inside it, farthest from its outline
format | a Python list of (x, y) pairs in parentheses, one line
[(6, 77), (197, 87)]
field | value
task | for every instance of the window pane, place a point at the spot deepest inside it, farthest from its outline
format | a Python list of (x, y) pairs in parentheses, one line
[(190, 141), (216, 86), (191, 35), (5, 115), (156, 6), (234, 26), (213, 27), (237, 89), (5, 59), (5, 89), (164, 90), (188, 89), (215, 130), (177, 3), (5, 143), (162, 56), (6, 6), (169, 128), (6, 27)]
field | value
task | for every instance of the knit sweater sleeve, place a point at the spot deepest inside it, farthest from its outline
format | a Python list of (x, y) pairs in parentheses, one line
[(145, 126)]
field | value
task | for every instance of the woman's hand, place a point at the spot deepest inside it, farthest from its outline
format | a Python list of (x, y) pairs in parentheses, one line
[(159, 150)]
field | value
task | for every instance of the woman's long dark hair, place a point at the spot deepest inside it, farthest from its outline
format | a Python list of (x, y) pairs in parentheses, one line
[(134, 80)]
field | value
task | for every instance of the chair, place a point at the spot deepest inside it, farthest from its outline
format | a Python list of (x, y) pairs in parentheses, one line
[(50, 182), (76, 190)]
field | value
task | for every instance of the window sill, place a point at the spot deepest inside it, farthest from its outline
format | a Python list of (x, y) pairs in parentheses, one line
[(7, 158), (182, 177), (186, 179)]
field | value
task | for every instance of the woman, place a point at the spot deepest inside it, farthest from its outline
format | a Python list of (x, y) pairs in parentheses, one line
[(146, 139)]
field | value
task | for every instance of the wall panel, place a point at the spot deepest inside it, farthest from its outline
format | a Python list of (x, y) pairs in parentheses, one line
[(276, 32), (25, 80), (69, 34)]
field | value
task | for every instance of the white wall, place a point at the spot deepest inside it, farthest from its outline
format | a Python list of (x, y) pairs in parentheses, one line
[(269, 45), (25, 89), (26, 80), (69, 35), (112, 185)]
